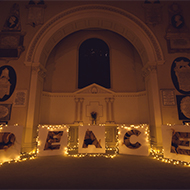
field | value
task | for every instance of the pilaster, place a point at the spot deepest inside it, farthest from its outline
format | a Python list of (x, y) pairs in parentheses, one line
[(155, 118), (109, 110), (36, 85)]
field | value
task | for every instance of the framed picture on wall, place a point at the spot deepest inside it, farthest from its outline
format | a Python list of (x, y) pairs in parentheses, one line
[(5, 112), (183, 105), (168, 97), (20, 98)]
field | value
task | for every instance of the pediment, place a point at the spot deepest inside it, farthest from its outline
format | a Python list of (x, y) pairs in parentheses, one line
[(94, 89)]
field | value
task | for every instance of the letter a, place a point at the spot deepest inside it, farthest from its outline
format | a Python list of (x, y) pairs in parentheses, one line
[(90, 139)]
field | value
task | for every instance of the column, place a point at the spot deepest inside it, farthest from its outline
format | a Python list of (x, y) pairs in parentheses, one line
[(155, 119), (107, 109), (81, 109), (112, 111), (32, 120), (76, 109)]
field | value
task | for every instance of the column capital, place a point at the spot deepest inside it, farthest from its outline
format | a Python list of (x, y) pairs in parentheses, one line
[(40, 69), (107, 100), (81, 99), (77, 99), (112, 100), (147, 69)]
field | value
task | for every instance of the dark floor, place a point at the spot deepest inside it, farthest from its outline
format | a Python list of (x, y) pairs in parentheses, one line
[(121, 172)]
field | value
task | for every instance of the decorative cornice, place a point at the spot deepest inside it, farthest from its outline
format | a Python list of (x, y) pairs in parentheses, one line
[(59, 95), (130, 95), (118, 95), (96, 7), (94, 89)]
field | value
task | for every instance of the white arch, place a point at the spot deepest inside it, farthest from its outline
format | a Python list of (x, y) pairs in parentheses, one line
[(94, 16), (85, 17)]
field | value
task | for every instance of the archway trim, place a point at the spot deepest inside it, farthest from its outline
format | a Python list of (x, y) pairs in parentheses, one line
[(95, 16)]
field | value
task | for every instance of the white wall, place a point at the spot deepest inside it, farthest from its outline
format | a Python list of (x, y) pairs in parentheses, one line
[(62, 77), (125, 64), (131, 108), (60, 108), (62, 63), (57, 109)]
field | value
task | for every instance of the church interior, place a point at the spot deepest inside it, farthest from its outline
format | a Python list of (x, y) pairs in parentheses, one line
[(95, 63)]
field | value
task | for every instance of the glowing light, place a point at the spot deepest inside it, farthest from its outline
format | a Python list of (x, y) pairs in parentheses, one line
[(158, 154)]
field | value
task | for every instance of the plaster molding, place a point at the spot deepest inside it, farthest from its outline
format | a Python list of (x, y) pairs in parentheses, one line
[(130, 94), (76, 10), (96, 106), (38, 68), (94, 89), (147, 69), (107, 99)]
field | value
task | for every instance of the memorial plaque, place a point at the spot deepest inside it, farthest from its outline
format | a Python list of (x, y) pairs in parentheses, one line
[(168, 97), (180, 74), (183, 104)]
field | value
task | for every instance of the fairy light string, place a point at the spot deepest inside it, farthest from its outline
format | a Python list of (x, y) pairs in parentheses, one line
[(81, 155), (154, 152)]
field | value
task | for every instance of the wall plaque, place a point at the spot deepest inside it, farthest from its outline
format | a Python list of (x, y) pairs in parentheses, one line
[(5, 112), (35, 13), (183, 104), (168, 97), (20, 98), (177, 35), (180, 74), (11, 37), (7, 82), (153, 12)]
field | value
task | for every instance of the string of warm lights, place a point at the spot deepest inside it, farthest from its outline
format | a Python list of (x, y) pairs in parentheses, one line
[(19, 158), (142, 126), (81, 155), (52, 127), (155, 153), (5, 125), (159, 155), (23, 157), (92, 155), (186, 123), (116, 148)]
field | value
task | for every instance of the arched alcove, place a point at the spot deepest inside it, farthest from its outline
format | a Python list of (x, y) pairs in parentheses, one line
[(95, 17), (124, 64)]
